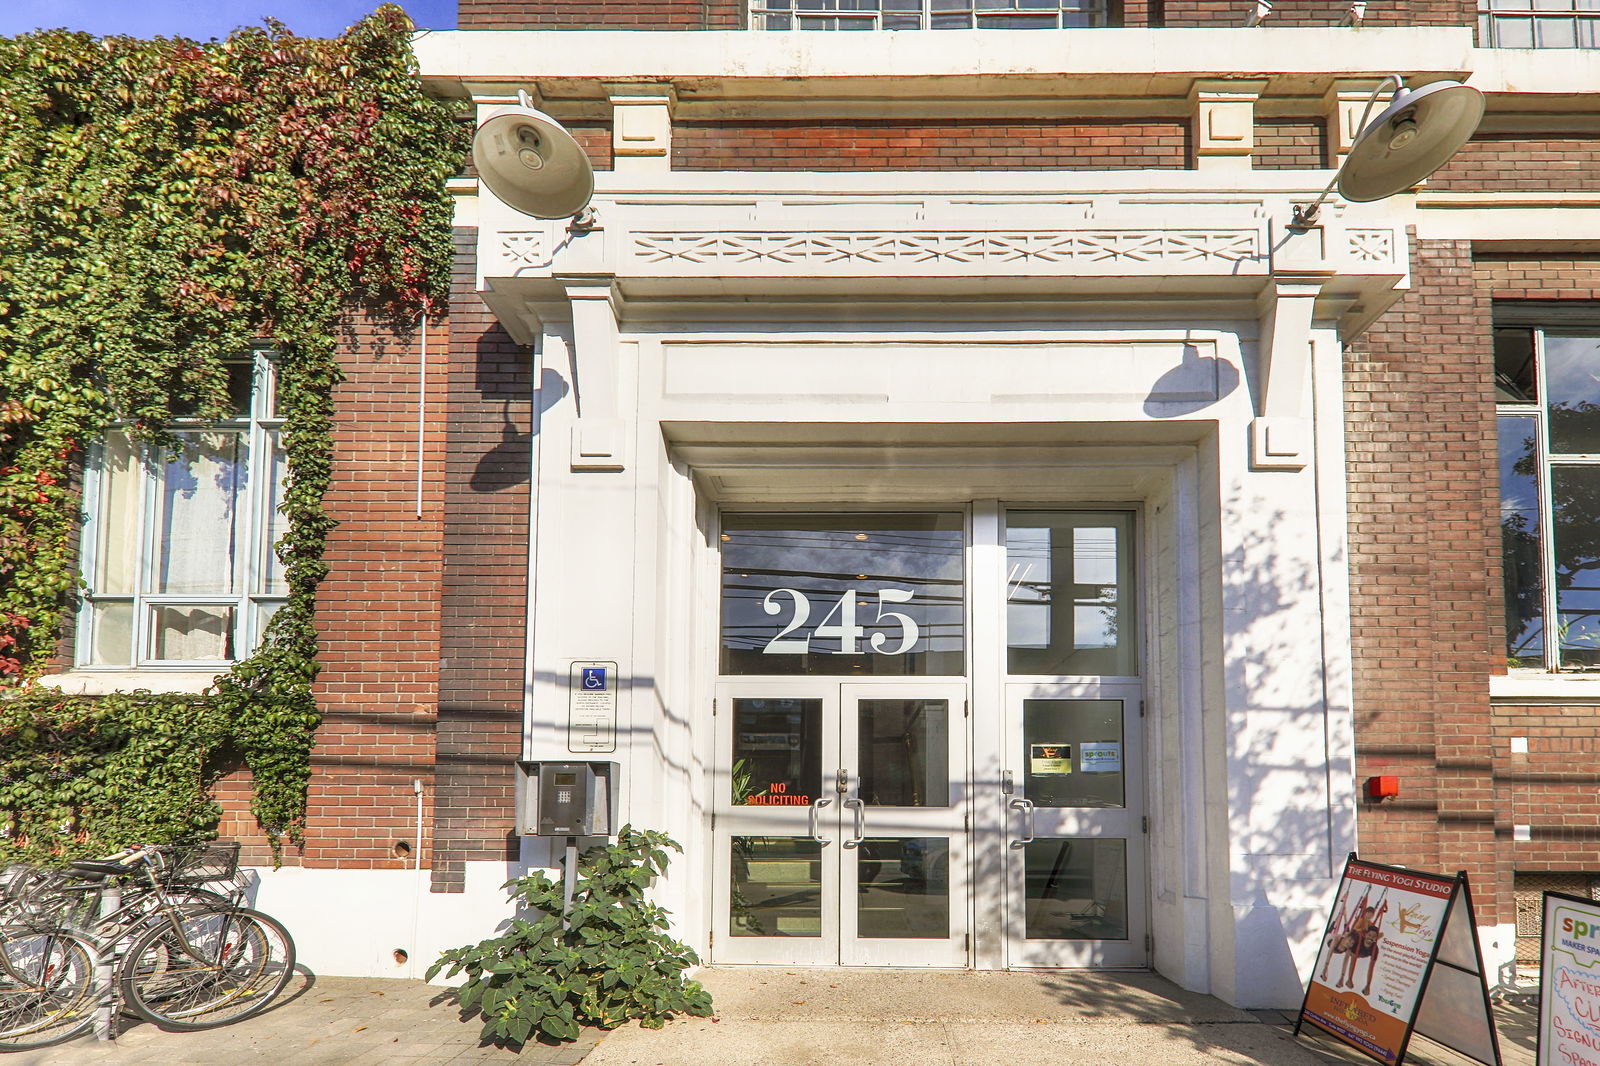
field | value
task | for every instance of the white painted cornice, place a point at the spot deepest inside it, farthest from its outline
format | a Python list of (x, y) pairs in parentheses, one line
[(980, 63)]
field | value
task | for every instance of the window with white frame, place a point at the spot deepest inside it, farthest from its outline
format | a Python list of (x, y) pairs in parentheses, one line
[(933, 14), (178, 541), (1539, 23), (1547, 378)]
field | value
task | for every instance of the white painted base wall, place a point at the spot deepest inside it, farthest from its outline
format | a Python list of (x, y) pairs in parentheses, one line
[(349, 923)]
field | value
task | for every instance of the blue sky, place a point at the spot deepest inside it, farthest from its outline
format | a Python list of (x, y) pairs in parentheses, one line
[(204, 19)]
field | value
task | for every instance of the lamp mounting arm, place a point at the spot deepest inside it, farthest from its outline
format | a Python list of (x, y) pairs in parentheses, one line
[(1305, 215)]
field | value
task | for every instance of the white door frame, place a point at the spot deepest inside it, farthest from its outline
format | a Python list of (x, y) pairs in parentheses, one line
[(839, 819), (1027, 821)]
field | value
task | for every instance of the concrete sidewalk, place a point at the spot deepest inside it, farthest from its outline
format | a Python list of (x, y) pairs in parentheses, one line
[(321, 1021), (784, 1017), (795, 1017)]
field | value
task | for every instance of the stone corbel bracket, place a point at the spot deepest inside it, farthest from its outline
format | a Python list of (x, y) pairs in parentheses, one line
[(1280, 434), (589, 302)]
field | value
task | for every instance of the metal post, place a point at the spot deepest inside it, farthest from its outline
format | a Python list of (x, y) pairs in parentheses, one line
[(569, 882), (110, 903)]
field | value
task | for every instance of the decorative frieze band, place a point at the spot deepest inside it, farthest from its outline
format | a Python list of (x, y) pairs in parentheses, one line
[(1372, 245), (1077, 246)]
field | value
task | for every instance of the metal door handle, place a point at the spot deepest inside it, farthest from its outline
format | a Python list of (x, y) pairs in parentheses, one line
[(859, 808), (1026, 807), (817, 805)]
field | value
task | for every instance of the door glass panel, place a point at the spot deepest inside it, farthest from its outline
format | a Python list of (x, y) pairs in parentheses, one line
[(1077, 889), (1070, 593), (904, 752), (903, 889), (1072, 751), (777, 887), (854, 594), (777, 752)]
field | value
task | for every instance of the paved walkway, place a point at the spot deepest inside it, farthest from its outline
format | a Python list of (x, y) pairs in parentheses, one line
[(794, 1017), (323, 1021), (785, 1017)]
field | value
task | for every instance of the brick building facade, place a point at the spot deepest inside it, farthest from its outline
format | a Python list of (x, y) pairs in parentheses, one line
[(980, 293)]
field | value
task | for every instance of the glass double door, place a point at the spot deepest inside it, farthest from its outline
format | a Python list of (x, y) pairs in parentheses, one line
[(841, 824)]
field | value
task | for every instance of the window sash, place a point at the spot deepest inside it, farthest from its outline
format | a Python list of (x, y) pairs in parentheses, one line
[(1559, 652), (122, 544), (845, 15)]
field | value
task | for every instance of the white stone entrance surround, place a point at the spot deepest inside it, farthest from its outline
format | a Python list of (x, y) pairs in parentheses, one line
[(893, 320)]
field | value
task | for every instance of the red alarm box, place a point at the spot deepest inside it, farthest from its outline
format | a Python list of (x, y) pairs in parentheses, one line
[(1385, 786)]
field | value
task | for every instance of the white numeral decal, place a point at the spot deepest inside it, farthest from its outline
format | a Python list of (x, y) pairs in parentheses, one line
[(802, 613), (908, 625), (847, 631)]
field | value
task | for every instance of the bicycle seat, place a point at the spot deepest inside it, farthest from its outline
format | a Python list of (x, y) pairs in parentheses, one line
[(96, 869)]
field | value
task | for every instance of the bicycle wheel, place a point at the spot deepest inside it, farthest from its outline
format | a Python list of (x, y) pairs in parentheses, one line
[(207, 968), (46, 987)]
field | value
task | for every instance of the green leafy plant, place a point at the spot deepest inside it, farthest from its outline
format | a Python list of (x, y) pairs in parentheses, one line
[(612, 962), (166, 205)]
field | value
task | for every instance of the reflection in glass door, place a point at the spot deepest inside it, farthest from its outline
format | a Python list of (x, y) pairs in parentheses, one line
[(839, 826)]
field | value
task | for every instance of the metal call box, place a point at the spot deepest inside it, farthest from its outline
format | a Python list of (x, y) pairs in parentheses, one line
[(564, 799)]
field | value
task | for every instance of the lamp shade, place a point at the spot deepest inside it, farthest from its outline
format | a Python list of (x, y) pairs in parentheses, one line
[(528, 160), (1414, 136)]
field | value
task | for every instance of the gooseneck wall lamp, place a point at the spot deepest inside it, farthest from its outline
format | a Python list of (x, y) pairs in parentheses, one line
[(1411, 138), (531, 162)]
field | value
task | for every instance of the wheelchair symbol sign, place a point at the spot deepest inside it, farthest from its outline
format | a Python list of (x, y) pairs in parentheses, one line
[(594, 678)]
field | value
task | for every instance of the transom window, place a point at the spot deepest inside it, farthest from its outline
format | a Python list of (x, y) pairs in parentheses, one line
[(1548, 386), (858, 594), (932, 14), (177, 545), (1539, 23)]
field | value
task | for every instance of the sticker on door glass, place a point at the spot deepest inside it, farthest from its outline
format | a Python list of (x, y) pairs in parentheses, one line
[(1103, 757), (1049, 759)]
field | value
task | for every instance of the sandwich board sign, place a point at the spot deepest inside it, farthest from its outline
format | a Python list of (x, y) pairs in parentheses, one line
[(1400, 957), (1569, 982)]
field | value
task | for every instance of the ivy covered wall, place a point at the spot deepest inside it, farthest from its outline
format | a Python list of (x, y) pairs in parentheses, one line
[(164, 206)]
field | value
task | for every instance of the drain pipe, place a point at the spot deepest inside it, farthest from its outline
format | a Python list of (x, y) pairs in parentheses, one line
[(422, 424)]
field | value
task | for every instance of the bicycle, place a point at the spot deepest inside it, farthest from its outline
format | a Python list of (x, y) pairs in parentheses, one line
[(190, 958)]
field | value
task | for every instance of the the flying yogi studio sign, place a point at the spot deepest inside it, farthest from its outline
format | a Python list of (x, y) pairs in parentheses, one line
[(1400, 956)]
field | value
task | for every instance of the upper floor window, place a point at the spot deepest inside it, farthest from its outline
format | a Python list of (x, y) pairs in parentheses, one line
[(1548, 385), (177, 545), (933, 14), (1539, 23)]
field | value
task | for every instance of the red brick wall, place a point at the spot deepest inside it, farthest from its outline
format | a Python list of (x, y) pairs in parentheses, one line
[(599, 15), (595, 138), (1290, 144), (1553, 789), (951, 144), (1425, 580), (482, 635), (378, 609), (1523, 164), (1540, 276), (1550, 789)]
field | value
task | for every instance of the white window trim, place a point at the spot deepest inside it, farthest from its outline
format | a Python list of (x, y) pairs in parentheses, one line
[(106, 681), (257, 425)]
